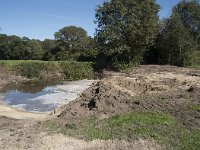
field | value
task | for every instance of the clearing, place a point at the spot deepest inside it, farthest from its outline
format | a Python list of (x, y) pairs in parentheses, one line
[(148, 107)]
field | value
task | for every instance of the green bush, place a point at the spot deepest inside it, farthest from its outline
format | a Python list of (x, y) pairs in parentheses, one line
[(73, 70), (47, 70), (36, 69)]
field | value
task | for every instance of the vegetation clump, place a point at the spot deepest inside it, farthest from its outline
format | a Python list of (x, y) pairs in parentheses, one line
[(163, 128), (128, 33), (48, 70)]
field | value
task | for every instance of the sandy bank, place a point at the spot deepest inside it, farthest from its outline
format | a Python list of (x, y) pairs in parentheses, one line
[(19, 114), (6, 78)]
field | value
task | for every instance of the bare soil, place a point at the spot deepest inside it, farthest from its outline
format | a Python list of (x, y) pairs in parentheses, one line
[(168, 89), (7, 77)]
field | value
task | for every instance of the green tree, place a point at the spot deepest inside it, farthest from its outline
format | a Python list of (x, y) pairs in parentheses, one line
[(91, 53), (189, 12), (11, 47), (178, 40), (3, 46), (126, 28), (15, 48), (33, 50), (176, 43), (75, 37), (154, 54), (50, 49)]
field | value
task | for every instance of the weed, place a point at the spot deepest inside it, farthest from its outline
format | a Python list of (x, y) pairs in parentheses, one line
[(163, 128), (70, 126), (50, 126), (194, 106)]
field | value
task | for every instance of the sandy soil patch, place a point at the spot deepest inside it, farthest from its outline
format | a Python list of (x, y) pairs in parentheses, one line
[(173, 90), (19, 114)]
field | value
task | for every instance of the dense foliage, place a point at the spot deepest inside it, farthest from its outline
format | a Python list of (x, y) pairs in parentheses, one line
[(71, 43), (49, 70), (128, 33), (178, 42), (125, 30), (72, 70), (14, 47)]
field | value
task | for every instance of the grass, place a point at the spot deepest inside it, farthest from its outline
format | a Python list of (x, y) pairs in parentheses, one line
[(194, 107), (190, 140), (51, 126), (13, 63), (164, 128)]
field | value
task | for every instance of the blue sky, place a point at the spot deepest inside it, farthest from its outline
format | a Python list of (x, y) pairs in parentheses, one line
[(40, 19)]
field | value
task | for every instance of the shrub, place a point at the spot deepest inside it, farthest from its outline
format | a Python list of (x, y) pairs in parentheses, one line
[(48, 70), (36, 69), (73, 70)]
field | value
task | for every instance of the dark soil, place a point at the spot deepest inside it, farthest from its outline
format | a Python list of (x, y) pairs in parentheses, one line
[(151, 89)]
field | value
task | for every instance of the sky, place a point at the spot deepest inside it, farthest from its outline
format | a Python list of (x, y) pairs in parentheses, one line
[(40, 19)]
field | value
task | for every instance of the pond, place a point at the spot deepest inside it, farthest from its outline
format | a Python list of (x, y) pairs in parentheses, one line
[(42, 96)]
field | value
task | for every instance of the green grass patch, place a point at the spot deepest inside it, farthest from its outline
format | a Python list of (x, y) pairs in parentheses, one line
[(51, 126), (70, 126), (142, 118), (11, 64), (194, 106), (189, 140), (164, 128)]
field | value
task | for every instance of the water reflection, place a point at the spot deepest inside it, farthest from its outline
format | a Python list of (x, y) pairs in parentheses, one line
[(42, 96), (29, 86)]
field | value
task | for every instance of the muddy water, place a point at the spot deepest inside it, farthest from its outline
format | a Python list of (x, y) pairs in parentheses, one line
[(42, 96)]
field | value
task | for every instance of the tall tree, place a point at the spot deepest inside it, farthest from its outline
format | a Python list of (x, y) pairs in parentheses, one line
[(14, 47), (49, 47), (75, 37), (33, 50), (189, 12), (126, 28), (11, 47), (176, 42)]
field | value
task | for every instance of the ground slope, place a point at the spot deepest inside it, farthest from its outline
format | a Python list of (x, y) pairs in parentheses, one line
[(148, 107)]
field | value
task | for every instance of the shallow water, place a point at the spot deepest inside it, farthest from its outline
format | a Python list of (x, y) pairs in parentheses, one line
[(42, 96)]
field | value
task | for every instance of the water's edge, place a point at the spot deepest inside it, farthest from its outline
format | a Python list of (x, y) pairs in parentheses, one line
[(42, 97)]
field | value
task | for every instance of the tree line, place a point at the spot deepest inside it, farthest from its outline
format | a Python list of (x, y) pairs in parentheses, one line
[(69, 43), (128, 33)]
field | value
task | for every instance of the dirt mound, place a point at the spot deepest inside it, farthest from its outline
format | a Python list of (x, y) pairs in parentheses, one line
[(100, 99), (164, 88), (155, 79), (146, 88)]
